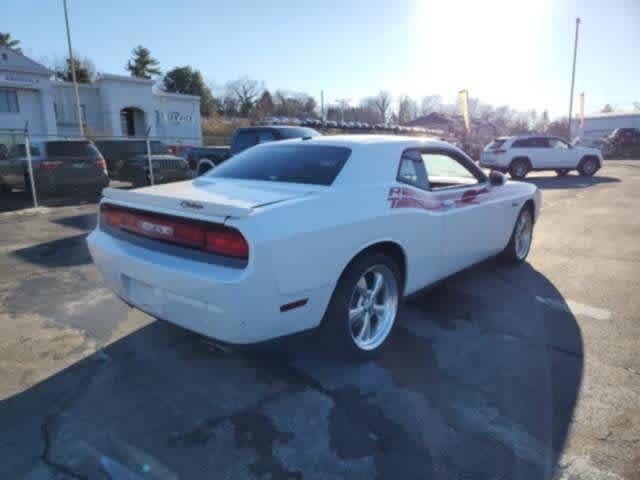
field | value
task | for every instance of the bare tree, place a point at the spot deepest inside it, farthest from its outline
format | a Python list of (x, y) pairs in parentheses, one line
[(407, 109), (430, 103), (559, 127), (246, 91), (382, 103), (608, 108), (636, 106)]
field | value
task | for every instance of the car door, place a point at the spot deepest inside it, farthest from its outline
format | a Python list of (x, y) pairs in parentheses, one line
[(454, 189), (560, 155)]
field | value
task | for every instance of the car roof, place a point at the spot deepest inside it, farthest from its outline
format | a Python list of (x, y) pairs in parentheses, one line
[(357, 141)]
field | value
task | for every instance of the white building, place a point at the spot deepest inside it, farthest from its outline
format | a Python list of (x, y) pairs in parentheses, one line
[(599, 125), (112, 105)]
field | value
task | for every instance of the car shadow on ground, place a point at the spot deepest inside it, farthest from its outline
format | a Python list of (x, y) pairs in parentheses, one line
[(19, 200), (569, 181), (84, 222), (480, 380), (65, 252)]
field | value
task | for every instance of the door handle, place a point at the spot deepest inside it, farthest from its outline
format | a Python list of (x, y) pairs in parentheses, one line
[(448, 203)]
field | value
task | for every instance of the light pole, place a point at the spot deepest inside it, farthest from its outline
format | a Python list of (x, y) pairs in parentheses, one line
[(573, 76), (72, 66)]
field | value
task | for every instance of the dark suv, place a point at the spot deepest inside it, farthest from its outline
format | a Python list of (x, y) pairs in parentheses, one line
[(127, 161), (59, 166), (623, 143)]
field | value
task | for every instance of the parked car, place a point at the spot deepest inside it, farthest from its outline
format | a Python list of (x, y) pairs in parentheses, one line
[(623, 143), (210, 156), (328, 232), (59, 166), (521, 154), (127, 160)]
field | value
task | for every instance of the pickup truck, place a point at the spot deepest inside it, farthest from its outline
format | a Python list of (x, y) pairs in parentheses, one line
[(246, 137)]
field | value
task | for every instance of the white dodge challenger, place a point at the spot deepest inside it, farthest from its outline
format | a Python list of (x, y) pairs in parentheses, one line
[(329, 231)]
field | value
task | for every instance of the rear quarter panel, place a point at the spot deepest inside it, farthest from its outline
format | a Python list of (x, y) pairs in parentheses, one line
[(311, 240)]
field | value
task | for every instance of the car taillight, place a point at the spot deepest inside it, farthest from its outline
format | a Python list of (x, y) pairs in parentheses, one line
[(101, 164), (50, 164), (227, 242), (213, 238)]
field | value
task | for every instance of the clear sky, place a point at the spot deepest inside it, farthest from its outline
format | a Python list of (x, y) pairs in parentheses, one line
[(509, 52)]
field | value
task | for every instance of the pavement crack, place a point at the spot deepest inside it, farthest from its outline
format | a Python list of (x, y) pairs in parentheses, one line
[(63, 403)]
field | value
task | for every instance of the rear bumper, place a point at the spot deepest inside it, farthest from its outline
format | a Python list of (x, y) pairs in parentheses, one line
[(492, 162), (238, 306)]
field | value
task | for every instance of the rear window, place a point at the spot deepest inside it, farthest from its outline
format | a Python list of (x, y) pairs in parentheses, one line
[(244, 140), (497, 143), (72, 149), (21, 151), (130, 148), (310, 164), (298, 132)]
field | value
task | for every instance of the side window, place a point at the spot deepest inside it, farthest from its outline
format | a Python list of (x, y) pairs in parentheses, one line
[(411, 170), (444, 170), (265, 136), (558, 144), (521, 143), (538, 142), (434, 170)]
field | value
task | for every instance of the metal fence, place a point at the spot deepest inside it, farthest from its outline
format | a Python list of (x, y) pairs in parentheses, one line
[(30, 164)]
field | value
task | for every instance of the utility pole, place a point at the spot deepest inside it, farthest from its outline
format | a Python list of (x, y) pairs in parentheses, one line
[(72, 65), (322, 104), (573, 76)]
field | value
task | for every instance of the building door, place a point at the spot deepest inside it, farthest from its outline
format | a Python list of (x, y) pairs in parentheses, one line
[(132, 122)]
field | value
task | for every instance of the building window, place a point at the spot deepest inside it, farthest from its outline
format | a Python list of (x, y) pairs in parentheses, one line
[(158, 116), (8, 101), (57, 112), (83, 112)]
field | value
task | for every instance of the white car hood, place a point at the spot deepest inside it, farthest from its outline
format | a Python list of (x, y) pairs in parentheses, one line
[(212, 197)]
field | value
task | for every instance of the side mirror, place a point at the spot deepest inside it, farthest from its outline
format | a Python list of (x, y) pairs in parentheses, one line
[(496, 178)]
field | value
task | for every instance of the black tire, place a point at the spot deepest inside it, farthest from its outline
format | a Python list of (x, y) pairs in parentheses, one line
[(204, 168), (141, 179), (510, 253), (562, 172), (336, 329), (588, 166), (519, 168)]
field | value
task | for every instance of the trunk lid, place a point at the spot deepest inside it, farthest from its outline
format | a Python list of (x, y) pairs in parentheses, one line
[(210, 197)]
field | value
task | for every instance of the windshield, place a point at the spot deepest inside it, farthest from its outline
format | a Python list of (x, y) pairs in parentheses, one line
[(312, 164)]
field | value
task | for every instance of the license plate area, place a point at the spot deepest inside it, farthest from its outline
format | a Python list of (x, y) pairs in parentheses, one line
[(143, 295)]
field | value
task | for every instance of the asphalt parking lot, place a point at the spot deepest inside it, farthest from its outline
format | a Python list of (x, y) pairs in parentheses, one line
[(528, 372)]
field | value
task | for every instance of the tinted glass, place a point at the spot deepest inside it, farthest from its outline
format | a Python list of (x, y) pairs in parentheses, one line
[(498, 142), (521, 143), (72, 149), (244, 140), (265, 136), (311, 164), (298, 132), (129, 149), (21, 151), (157, 148)]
